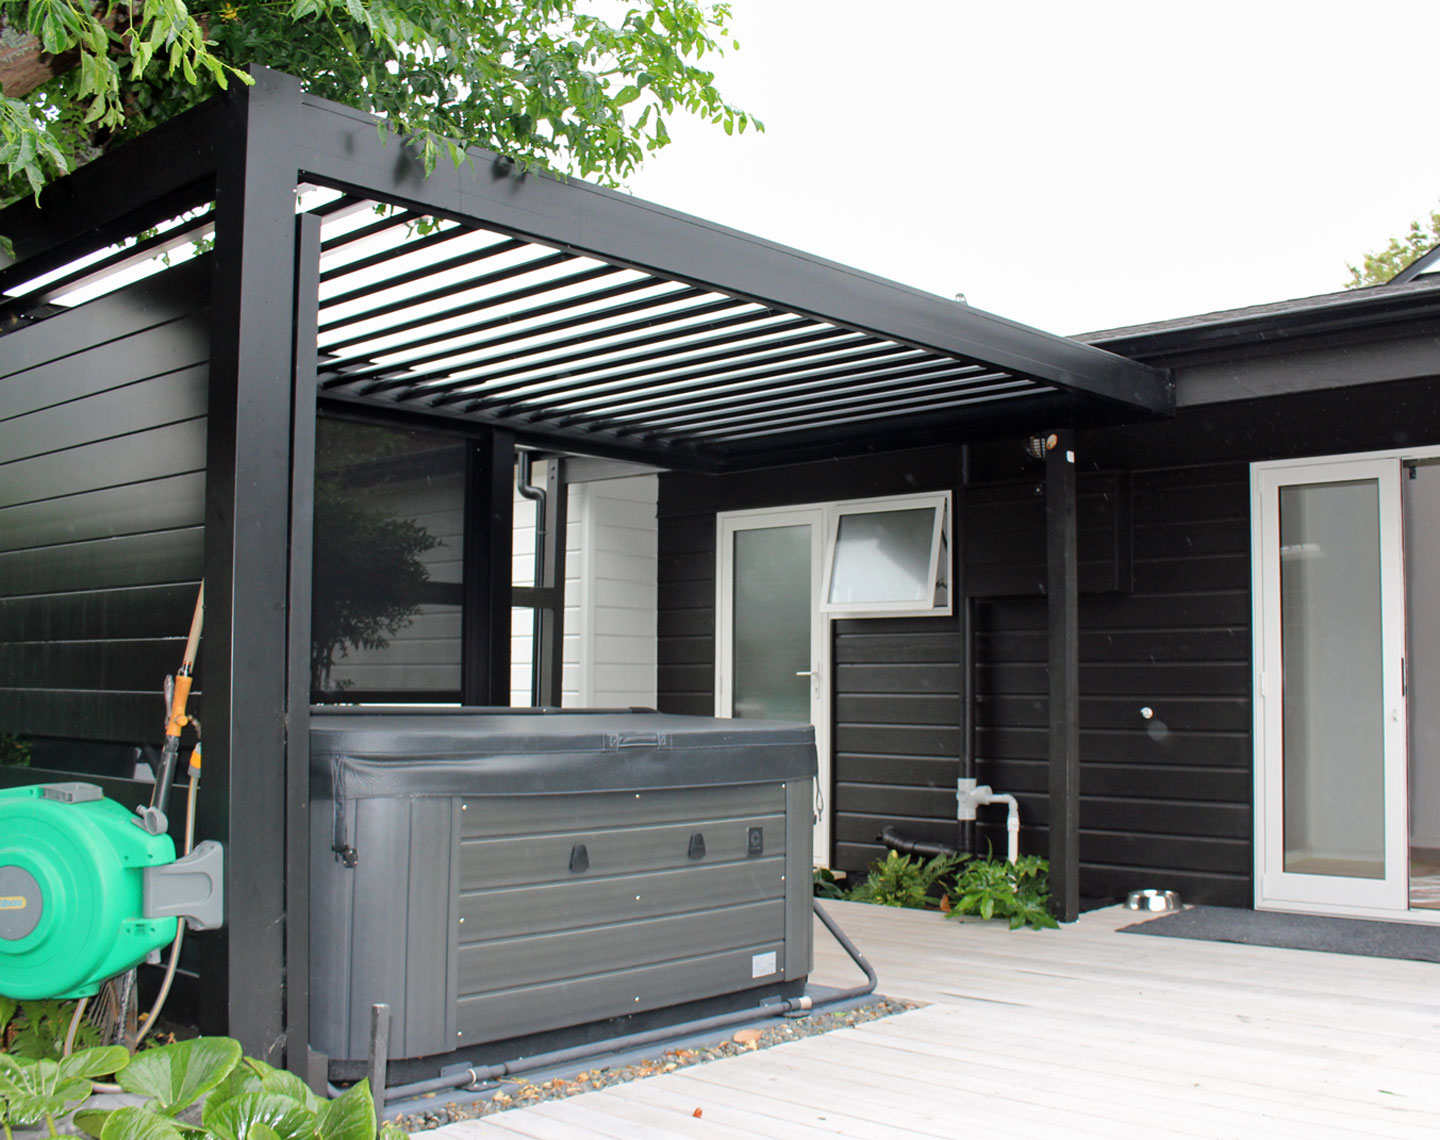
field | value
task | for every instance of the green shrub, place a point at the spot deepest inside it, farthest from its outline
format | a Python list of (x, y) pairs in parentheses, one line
[(244, 1099), (904, 881), (993, 888)]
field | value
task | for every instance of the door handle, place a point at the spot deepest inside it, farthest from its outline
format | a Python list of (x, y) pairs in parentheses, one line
[(805, 672)]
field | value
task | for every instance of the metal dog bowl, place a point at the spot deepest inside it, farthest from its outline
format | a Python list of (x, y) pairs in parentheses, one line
[(1153, 900)]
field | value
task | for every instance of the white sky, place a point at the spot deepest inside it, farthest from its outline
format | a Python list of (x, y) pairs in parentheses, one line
[(1075, 166)]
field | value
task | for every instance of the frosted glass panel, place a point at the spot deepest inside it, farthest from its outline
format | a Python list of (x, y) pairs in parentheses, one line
[(772, 623), (883, 556), (1333, 713)]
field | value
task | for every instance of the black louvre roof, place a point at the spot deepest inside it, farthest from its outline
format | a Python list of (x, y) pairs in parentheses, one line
[(468, 322), (590, 321)]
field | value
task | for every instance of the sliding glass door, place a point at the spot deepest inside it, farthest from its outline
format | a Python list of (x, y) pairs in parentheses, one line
[(1331, 717)]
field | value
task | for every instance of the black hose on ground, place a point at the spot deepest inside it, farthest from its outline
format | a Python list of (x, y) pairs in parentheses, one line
[(481, 1074)]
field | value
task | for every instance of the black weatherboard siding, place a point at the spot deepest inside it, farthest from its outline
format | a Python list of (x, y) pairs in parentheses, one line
[(1164, 625), (1164, 799), (102, 506)]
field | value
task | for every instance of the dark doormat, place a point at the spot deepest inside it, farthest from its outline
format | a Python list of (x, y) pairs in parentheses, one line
[(1410, 940)]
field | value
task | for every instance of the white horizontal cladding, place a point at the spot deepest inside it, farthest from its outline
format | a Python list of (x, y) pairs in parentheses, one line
[(626, 623), (611, 570), (610, 593)]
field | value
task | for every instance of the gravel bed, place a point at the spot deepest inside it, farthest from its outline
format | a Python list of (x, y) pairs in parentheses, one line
[(517, 1092)]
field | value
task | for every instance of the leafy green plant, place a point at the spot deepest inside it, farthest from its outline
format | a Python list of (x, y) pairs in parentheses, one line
[(36, 1030), (14, 751), (826, 885), (243, 1099), (994, 888), (903, 880), (32, 1091)]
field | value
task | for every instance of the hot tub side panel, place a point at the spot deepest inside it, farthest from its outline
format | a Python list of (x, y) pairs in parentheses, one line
[(582, 907), (384, 930)]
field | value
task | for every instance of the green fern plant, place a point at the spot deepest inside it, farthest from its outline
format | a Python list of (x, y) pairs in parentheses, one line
[(36, 1030), (903, 881)]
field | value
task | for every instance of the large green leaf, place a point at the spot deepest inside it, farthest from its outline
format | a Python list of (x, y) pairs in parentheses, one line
[(176, 1076), (251, 1075), (95, 1062), (91, 1121), (235, 1118), (27, 1109), (14, 1076), (350, 1116), (139, 1124)]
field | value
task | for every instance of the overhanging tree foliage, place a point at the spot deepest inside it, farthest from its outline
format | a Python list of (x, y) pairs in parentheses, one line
[(1382, 265), (546, 82)]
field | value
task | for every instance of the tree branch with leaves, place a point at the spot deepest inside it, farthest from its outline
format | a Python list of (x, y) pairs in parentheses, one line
[(1379, 267), (546, 82)]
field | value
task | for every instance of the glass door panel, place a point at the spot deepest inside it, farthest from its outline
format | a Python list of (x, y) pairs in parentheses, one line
[(772, 642), (773, 604), (1330, 773), (1333, 701)]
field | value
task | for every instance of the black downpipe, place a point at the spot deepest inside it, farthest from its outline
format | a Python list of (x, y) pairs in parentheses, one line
[(965, 828), (486, 1073)]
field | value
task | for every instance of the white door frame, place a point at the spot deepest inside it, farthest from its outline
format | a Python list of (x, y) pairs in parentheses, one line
[(727, 524), (1276, 889)]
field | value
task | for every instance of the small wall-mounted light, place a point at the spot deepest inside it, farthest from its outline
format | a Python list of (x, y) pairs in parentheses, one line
[(1037, 445)]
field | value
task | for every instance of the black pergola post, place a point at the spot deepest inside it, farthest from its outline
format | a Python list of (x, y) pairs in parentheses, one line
[(247, 565), (1062, 592), (489, 540)]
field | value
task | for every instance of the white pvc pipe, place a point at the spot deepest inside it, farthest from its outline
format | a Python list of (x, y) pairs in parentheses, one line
[(983, 795)]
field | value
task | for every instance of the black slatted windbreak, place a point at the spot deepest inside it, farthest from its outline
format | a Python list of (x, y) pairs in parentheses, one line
[(440, 317)]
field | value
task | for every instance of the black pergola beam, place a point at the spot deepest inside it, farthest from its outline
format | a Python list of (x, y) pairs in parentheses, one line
[(164, 173), (341, 148), (1062, 603)]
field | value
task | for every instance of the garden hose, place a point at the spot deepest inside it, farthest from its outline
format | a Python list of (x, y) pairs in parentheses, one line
[(153, 1015)]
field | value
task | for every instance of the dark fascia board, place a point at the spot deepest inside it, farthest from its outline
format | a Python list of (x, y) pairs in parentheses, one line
[(341, 147), (1233, 332), (162, 173)]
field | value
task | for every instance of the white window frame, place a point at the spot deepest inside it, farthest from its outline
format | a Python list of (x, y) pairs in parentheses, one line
[(941, 544)]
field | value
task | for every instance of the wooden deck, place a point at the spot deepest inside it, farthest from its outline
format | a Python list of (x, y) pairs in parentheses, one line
[(1074, 1033)]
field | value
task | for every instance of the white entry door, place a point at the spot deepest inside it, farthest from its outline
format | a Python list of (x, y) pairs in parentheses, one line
[(1331, 795), (772, 651)]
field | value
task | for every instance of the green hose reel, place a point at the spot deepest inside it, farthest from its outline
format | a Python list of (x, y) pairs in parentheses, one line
[(85, 893)]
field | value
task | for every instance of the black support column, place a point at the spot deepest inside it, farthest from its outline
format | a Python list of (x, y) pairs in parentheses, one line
[(247, 564), (1062, 592), (489, 539)]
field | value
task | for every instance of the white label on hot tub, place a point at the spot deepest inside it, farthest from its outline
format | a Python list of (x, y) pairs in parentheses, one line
[(762, 965)]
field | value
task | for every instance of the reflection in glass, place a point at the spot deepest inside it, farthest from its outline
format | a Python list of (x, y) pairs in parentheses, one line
[(883, 556), (772, 623), (1333, 714), (389, 522)]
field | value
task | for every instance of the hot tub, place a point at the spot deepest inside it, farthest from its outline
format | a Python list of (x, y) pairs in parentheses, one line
[(494, 874)]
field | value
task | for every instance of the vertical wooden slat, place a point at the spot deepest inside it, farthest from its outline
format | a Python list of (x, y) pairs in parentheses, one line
[(297, 744), (1062, 593)]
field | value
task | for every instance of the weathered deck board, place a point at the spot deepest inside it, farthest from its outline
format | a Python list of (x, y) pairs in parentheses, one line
[(1082, 1032)]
